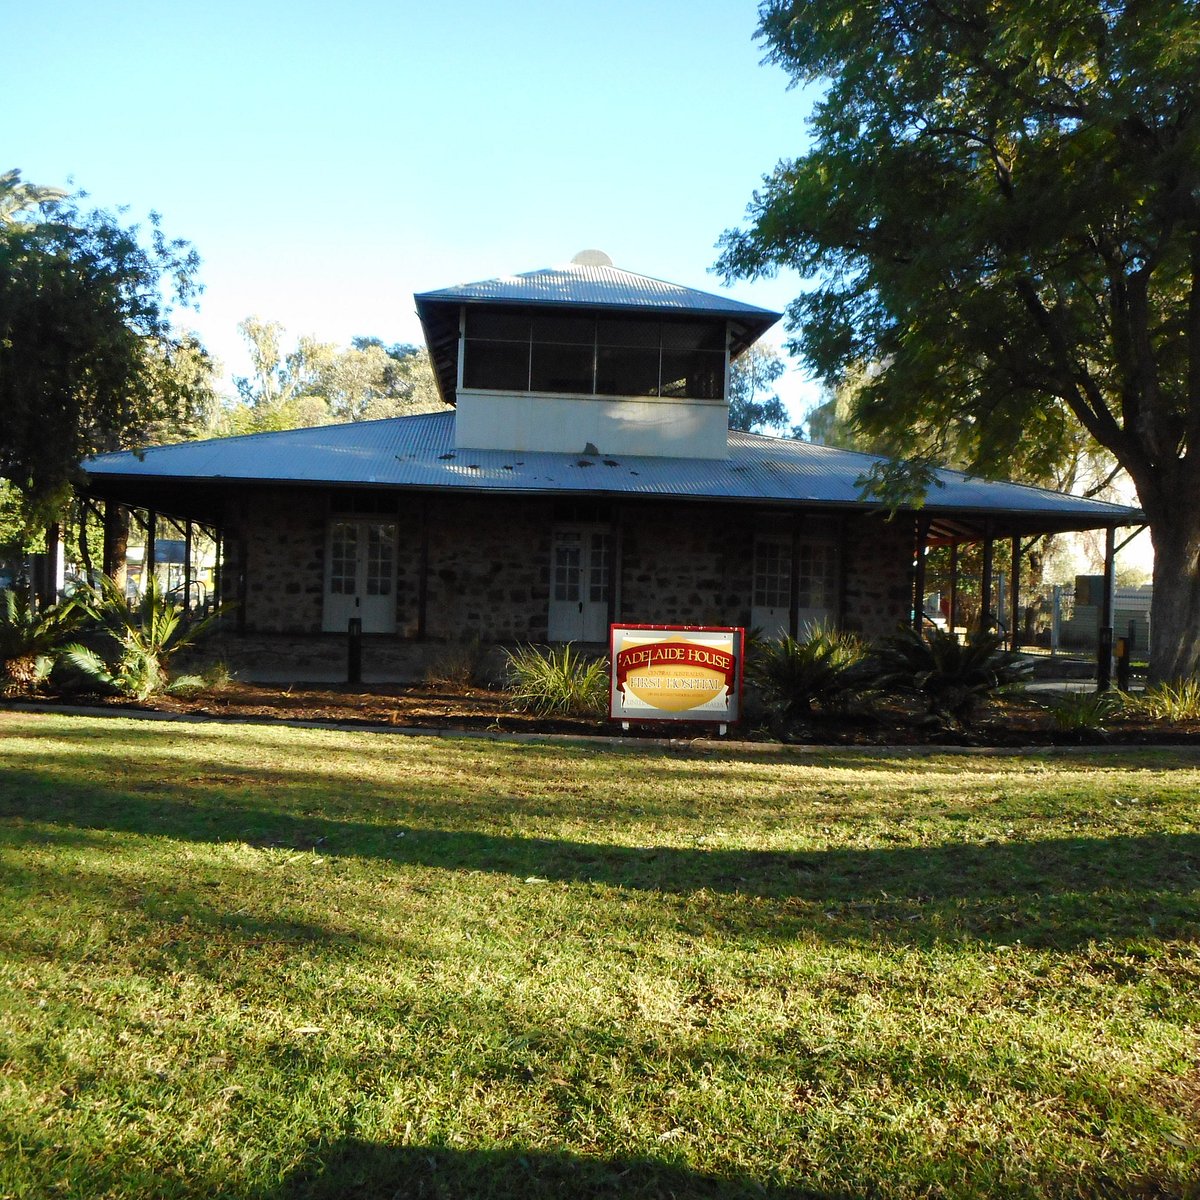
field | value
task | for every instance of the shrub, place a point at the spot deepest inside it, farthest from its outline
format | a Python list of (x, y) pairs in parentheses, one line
[(1085, 714), (1178, 701), (824, 667), (952, 678), (218, 675), (212, 679), (135, 641), (458, 665), (31, 637), (558, 682)]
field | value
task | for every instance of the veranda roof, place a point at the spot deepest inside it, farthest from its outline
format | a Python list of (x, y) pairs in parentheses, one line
[(418, 453)]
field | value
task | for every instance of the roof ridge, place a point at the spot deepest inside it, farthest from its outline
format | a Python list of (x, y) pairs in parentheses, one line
[(595, 274)]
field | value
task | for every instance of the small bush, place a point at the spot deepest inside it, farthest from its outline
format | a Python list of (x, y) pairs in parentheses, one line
[(458, 665), (1178, 701), (31, 638), (824, 667), (186, 686), (213, 678), (558, 682), (952, 678), (133, 641), (1086, 714), (218, 675)]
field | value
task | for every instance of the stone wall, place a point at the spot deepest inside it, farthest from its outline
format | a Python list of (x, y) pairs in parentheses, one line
[(877, 573), (489, 568), (686, 563), (489, 564), (274, 560)]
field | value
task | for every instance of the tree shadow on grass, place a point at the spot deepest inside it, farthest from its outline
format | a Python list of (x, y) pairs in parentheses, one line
[(358, 1170), (1059, 892)]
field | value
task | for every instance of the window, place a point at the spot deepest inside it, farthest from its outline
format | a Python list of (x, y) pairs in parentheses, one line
[(818, 575), (516, 350), (381, 540), (343, 558), (568, 565), (772, 574), (599, 564)]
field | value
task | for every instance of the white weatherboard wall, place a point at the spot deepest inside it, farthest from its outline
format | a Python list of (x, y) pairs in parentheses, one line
[(613, 424)]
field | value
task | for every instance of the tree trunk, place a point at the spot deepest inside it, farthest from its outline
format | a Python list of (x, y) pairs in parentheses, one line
[(1175, 609), (45, 584), (116, 542)]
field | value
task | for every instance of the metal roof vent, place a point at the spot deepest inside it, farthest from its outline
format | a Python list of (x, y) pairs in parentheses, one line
[(592, 258)]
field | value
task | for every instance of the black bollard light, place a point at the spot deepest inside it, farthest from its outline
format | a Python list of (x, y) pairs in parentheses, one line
[(354, 650), (1124, 646), (1104, 651)]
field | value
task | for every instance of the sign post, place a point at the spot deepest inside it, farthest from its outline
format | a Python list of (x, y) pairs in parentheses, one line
[(676, 673)]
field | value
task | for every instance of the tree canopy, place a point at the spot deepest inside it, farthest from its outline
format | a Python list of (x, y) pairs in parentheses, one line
[(754, 405), (89, 360), (1000, 211), (317, 383)]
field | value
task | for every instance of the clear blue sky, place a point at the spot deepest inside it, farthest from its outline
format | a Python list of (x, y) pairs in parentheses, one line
[(329, 160)]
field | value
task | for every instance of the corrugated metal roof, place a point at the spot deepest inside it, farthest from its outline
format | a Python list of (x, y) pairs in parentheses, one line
[(577, 285), (595, 286), (419, 452)]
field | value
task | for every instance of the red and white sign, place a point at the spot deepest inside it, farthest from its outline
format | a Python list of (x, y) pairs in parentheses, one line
[(675, 673)]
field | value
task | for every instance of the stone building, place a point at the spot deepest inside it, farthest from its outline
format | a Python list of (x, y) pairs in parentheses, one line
[(583, 473)]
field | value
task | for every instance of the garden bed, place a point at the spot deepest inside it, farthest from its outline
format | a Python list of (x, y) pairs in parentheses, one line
[(1014, 721)]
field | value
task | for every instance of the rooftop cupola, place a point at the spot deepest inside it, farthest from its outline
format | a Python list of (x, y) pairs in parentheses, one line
[(587, 353)]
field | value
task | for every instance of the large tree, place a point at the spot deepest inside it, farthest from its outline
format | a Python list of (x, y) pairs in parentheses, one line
[(1000, 208), (89, 360), (317, 382), (754, 405)]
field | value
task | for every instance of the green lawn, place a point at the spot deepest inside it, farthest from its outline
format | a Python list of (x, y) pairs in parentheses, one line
[(261, 962)]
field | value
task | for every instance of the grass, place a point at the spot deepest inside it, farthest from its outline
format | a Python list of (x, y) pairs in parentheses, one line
[(258, 962)]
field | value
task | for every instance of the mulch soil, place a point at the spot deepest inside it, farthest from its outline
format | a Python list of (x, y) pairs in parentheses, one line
[(1008, 723)]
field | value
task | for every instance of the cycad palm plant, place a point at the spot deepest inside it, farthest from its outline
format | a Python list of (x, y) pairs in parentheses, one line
[(138, 639), (30, 636), (825, 667), (951, 677)]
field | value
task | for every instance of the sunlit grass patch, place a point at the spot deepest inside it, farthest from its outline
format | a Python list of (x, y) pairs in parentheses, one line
[(263, 962)]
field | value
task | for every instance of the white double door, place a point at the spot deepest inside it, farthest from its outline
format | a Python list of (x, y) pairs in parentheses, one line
[(360, 575), (814, 575), (580, 569)]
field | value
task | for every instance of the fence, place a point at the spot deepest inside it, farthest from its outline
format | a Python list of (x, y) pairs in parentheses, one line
[(1059, 617)]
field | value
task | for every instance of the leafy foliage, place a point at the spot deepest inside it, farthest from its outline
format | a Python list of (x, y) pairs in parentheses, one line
[(1000, 211), (558, 681), (826, 667), (1086, 714), (88, 358), (136, 640), (459, 664), (30, 636), (1179, 701), (952, 678), (317, 383), (754, 405)]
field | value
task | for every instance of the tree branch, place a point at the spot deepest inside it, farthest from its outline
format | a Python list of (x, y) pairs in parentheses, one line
[(1084, 397)]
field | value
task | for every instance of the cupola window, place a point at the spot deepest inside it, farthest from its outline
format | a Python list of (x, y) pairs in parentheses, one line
[(530, 350)]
